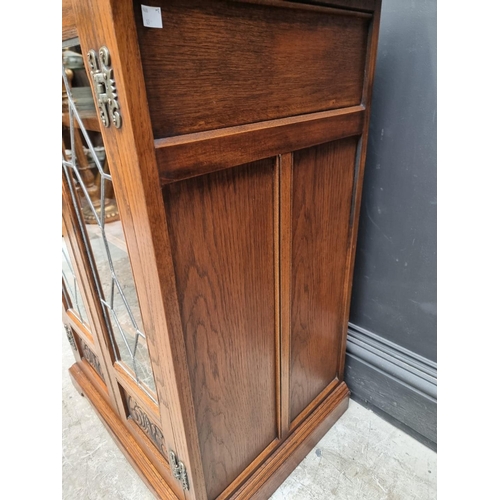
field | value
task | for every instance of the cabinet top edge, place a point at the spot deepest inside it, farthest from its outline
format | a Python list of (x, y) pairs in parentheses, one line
[(368, 6)]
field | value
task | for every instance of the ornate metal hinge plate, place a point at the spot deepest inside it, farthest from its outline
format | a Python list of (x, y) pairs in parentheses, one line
[(179, 470), (71, 339), (104, 85)]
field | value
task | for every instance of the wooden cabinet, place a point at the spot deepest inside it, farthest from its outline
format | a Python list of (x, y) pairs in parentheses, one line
[(213, 335)]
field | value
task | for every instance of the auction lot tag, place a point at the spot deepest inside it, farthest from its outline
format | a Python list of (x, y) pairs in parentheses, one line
[(151, 16)]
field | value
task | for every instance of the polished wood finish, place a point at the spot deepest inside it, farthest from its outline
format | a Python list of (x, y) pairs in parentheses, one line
[(128, 385), (132, 164), (237, 173), (276, 469), (222, 236), (122, 436), (201, 68), (361, 5), (68, 21), (285, 242), (194, 154), (322, 186), (267, 476), (72, 319)]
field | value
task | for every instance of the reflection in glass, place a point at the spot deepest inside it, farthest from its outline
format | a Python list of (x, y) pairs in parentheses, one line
[(85, 168), (71, 286)]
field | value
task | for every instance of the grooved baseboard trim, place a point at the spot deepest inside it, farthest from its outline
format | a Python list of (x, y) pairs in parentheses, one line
[(408, 368), (396, 383)]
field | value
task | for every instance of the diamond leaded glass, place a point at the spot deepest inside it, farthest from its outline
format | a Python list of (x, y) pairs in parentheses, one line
[(91, 187)]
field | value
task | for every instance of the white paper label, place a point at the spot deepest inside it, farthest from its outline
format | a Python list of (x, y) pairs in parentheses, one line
[(151, 16)]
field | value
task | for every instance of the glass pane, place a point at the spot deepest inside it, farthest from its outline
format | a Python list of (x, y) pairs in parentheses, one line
[(86, 169), (71, 286)]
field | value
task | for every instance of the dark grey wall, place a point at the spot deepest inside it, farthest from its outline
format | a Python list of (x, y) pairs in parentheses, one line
[(394, 292)]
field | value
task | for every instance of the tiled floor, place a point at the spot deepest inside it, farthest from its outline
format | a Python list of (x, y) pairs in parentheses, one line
[(361, 457)]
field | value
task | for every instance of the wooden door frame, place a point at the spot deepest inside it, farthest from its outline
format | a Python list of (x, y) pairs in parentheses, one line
[(97, 337), (99, 341), (135, 176)]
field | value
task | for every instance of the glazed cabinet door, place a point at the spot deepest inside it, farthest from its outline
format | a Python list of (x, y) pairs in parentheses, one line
[(106, 311)]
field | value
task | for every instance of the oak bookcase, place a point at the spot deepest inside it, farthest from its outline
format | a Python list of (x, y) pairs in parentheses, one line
[(209, 323)]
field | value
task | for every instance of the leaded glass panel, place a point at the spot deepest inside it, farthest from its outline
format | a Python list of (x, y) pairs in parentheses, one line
[(91, 185), (71, 287)]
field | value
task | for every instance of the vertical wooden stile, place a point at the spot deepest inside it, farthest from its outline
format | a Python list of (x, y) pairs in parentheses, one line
[(133, 167)]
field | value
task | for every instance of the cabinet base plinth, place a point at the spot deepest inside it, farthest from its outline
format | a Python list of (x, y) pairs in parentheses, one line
[(123, 438), (269, 476), (266, 478)]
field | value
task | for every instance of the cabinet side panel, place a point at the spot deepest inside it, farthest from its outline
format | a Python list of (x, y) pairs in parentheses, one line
[(322, 185), (221, 230), (201, 68)]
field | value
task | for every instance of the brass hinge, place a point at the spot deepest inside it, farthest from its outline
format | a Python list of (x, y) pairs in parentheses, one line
[(179, 470), (71, 339), (104, 85)]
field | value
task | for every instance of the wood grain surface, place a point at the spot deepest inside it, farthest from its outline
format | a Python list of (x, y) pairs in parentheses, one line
[(203, 152), (243, 273), (301, 441), (362, 5), (322, 186), (132, 164), (68, 21), (285, 237), (221, 63), (222, 239), (123, 438)]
